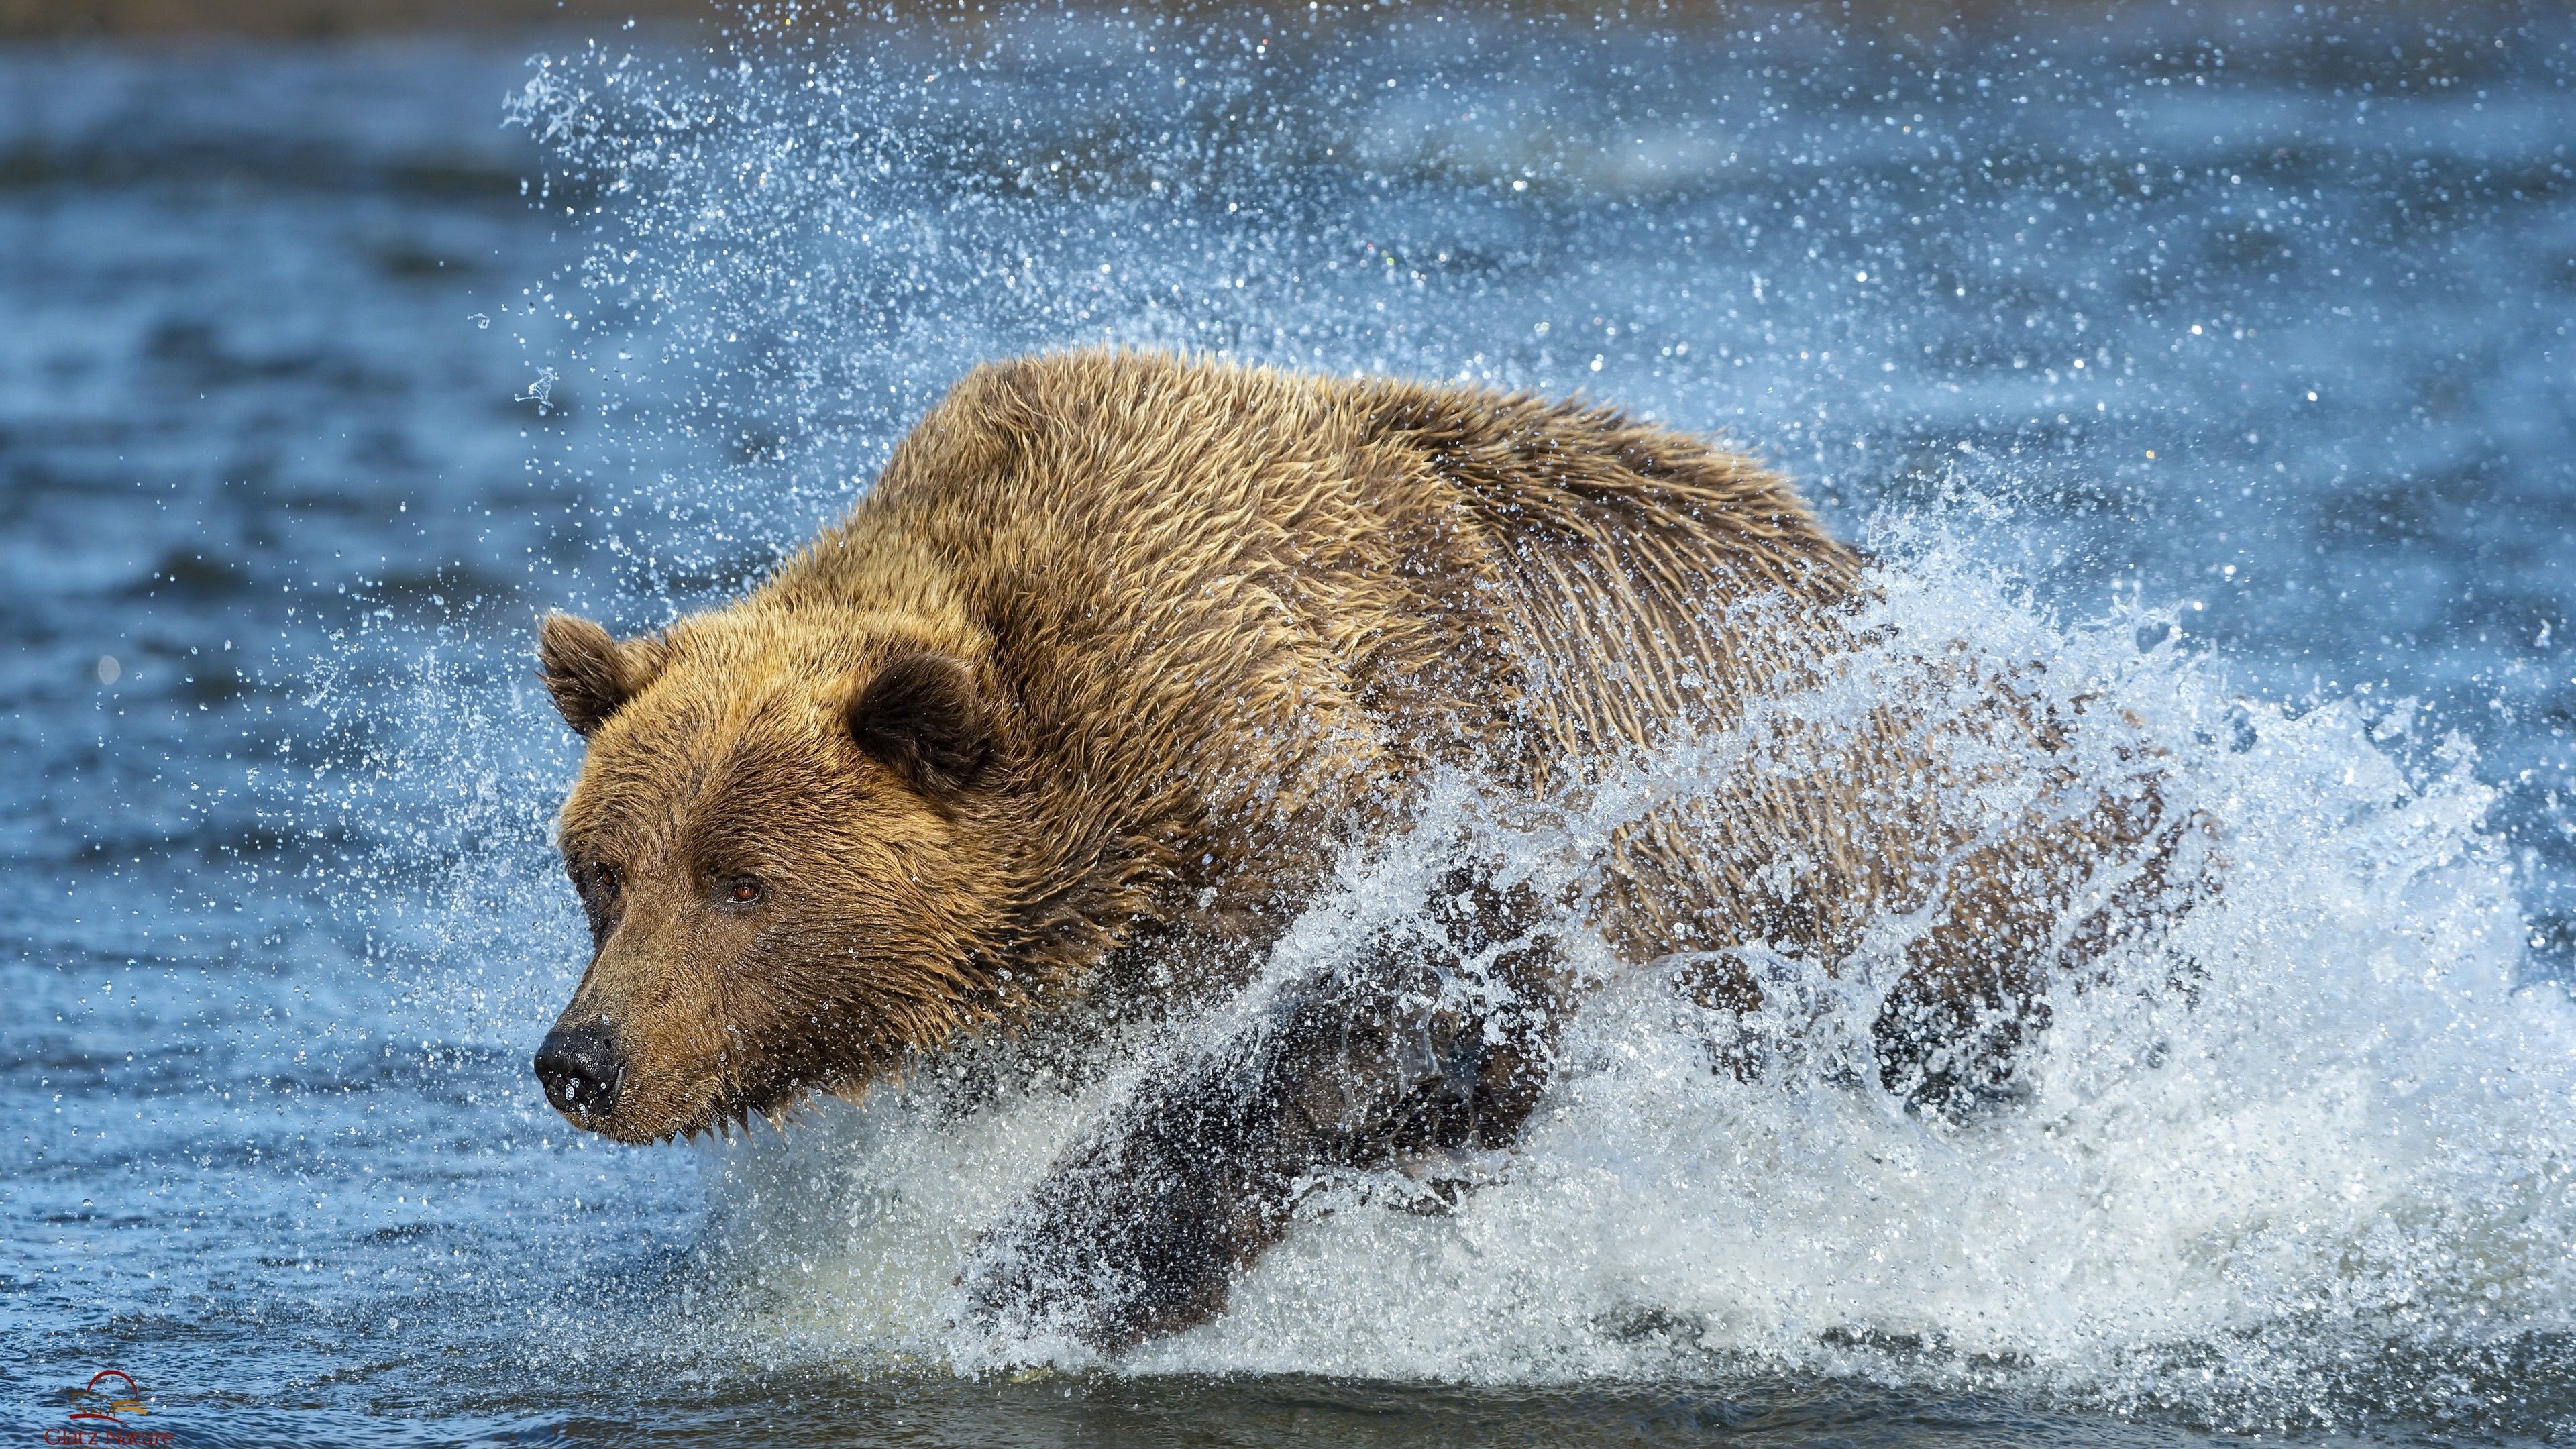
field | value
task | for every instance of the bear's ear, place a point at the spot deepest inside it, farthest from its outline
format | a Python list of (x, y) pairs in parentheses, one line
[(589, 673), (920, 718)]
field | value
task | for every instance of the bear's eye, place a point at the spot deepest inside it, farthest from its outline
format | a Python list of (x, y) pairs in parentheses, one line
[(597, 882), (740, 890)]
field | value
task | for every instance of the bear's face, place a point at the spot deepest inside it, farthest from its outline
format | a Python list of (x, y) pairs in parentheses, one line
[(773, 838)]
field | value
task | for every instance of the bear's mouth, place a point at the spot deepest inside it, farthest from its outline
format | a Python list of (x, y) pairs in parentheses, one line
[(707, 1109), (723, 1111), (598, 1089)]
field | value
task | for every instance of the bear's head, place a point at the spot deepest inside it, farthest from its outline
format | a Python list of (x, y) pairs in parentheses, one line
[(784, 837)]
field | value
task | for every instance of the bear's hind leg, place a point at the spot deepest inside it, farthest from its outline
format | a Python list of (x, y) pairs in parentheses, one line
[(2056, 899)]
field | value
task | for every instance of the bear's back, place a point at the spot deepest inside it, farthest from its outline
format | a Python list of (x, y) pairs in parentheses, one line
[(1592, 564)]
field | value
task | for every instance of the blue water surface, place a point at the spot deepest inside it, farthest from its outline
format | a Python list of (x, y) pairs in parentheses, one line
[(326, 367)]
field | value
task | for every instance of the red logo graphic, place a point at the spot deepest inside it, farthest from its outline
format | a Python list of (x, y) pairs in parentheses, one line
[(99, 1411), (97, 1403)]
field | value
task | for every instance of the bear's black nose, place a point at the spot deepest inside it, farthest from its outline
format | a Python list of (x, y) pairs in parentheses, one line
[(580, 1069)]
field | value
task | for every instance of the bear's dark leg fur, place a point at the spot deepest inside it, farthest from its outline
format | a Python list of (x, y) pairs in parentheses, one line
[(1434, 1040)]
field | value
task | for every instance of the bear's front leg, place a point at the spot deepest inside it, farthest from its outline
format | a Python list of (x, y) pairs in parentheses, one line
[(1419, 1047)]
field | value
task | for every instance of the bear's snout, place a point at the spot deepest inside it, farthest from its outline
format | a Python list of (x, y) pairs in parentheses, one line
[(580, 1068)]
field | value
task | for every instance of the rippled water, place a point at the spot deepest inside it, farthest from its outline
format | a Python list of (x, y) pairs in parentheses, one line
[(307, 405)]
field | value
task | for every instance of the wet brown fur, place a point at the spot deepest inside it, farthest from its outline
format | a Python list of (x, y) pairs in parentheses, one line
[(1160, 636)]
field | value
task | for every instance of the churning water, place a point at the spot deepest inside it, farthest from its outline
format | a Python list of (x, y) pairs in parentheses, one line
[(2218, 369)]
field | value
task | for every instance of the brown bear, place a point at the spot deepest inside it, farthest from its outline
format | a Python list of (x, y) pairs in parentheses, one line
[(1080, 705)]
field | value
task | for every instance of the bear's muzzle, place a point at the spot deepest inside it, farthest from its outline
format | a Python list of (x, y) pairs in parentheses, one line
[(580, 1067)]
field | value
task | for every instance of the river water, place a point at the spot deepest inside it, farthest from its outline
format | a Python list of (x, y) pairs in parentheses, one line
[(2219, 365)]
